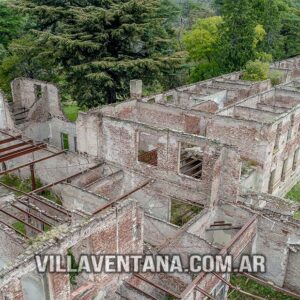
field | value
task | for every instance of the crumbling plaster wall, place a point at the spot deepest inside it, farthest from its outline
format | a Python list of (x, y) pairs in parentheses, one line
[(9, 248), (45, 120), (6, 120), (273, 240), (88, 126), (24, 95)]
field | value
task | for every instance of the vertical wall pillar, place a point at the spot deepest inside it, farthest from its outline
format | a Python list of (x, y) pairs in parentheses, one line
[(136, 89), (3, 120)]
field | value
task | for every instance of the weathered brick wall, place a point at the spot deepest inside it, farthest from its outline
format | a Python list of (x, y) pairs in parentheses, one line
[(6, 120), (273, 240), (118, 230), (292, 276), (13, 291), (88, 133)]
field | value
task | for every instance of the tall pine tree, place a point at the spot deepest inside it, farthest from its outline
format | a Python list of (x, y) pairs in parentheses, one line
[(237, 41), (102, 44)]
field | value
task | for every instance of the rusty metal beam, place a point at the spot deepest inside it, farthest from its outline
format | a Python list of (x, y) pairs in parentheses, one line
[(23, 202), (33, 162), (11, 139), (220, 224), (238, 289), (102, 178), (32, 215), (141, 291), (189, 163), (41, 189), (18, 219), (195, 175), (21, 139), (158, 286), (276, 288), (16, 230), (22, 152), (15, 146), (205, 293), (32, 174), (238, 235), (193, 168), (223, 228), (110, 203), (60, 209)]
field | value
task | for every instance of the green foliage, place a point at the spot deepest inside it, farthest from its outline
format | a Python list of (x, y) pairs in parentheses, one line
[(25, 186), (71, 111), (26, 58), (280, 21), (200, 43), (254, 288), (100, 45), (270, 15), (201, 40), (256, 71), (290, 32), (191, 11), (19, 226), (294, 193), (238, 36), (15, 181), (182, 212), (74, 266), (276, 77), (11, 24)]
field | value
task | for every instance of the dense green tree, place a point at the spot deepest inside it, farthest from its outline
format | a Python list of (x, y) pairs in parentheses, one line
[(191, 11), (11, 24), (269, 13), (256, 71), (101, 45), (237, 42), (290, 32), (200, 43), (26, 58)]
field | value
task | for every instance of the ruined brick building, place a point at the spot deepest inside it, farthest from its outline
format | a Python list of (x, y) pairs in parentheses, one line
[(223, 151)]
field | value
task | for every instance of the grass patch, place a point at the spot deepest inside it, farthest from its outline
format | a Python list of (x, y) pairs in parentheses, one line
[(297, 215), (25, 186), (71, 111), (182, 212), (254, 288), (16, 182), (74, 265), (294, 195), (19, 226)]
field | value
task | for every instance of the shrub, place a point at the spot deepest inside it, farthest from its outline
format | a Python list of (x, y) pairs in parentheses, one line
[(256, 71), (276, 77)]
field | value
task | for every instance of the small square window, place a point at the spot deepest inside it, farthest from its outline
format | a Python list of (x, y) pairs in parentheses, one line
[(65, 141), (182, 212), (37, 91), (191, 160), (147, 152)]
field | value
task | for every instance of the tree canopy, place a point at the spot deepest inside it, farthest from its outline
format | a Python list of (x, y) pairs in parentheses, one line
[(101, 45)]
